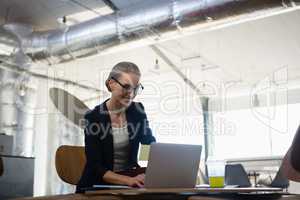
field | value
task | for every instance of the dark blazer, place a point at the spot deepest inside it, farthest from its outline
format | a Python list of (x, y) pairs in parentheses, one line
[(99, 141), (295, 152)]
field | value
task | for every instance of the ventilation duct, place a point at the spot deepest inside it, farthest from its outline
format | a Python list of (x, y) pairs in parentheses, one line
[(133, 23), (17, 106), (8, 43)]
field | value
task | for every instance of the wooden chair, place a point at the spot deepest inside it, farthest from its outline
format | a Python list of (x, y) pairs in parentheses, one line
[(69, 163), (1, 166)]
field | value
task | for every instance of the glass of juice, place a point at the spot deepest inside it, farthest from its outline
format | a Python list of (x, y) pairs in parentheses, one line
[(216, 173)]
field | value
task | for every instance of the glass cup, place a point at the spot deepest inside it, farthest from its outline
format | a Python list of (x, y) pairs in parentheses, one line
[(216, 173)]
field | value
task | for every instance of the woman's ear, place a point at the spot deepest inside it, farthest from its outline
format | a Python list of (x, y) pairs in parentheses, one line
[(107, 85)]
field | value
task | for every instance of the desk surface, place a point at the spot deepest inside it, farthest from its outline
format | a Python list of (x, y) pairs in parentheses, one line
[(73, 197), (242, 197), (179, 191), (167, 194)]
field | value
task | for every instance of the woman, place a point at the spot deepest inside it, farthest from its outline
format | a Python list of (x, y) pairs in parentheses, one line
[(114, 130), (291, 161)]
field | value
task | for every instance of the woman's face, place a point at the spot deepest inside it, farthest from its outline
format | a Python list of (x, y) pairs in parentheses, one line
[(122, 88)]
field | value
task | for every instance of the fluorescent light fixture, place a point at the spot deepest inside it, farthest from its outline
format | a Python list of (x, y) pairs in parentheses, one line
[(85, 15)]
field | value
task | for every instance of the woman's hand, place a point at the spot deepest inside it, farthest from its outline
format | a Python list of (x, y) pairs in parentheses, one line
[(114, 178), (137, 181)]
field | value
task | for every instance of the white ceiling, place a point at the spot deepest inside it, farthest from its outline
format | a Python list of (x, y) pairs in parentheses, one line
[(43, 14), (240, 55), (249, 52)]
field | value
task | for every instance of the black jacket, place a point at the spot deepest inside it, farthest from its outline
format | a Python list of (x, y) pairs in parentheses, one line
[(295, 152), (99, 141)]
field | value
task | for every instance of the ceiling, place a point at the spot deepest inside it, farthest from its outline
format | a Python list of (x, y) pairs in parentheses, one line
[(236, 56), (43, 14), (244, 53), (46, 14), (248, 52)]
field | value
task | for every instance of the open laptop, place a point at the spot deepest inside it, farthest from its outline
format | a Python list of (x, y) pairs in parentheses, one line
[(169, 166), (172, 166), (176, 166)]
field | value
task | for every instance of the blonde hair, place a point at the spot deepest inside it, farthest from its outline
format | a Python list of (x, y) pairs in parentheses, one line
[(122, 67)]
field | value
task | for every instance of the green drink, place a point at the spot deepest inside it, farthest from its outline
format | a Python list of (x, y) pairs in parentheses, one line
[(216, 173), (216, 181)]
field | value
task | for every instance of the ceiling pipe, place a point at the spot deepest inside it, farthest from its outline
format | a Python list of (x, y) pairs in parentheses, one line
[(8, 42), (143, 19), (17, 106)]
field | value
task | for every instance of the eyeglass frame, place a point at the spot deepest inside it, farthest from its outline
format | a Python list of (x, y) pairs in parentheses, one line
[(125, 86)]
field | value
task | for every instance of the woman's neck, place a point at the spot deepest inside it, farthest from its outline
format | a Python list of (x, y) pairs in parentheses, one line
[(115, 107)]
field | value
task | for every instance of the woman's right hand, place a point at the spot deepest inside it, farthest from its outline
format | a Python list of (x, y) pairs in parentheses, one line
[(137, 181), (114, 178)]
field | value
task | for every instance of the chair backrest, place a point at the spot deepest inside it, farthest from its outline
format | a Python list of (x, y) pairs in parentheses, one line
[(236, 175), (69, 163), (1, 166), (280, 180)]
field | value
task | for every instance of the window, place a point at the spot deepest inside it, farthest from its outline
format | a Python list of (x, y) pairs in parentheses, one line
[(255, 132)]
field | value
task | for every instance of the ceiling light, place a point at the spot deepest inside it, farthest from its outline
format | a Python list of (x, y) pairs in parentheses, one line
[(156, 66), (84, 16)]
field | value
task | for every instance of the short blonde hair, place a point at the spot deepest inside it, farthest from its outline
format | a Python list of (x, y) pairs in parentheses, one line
[(122, 67)]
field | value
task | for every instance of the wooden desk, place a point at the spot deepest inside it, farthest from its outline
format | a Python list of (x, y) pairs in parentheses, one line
[(184, 191), (173, 194), (249, 197), (73, 197)]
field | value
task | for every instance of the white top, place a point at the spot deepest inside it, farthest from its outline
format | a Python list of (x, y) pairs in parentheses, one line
[(121, 147)]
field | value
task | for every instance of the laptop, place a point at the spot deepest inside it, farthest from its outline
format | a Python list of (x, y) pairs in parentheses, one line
[(172, 165), (169, 166)]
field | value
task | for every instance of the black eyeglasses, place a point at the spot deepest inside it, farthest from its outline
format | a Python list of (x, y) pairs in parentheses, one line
[(128, 88)]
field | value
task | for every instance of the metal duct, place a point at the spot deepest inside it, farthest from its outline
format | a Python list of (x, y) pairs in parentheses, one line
[(26, 103), (17, 105), (140, 20), (8, 109), (8, 42)]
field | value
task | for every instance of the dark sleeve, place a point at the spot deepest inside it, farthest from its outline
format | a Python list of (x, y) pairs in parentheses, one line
[(295, 153), (146, 137), (93, 152)]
